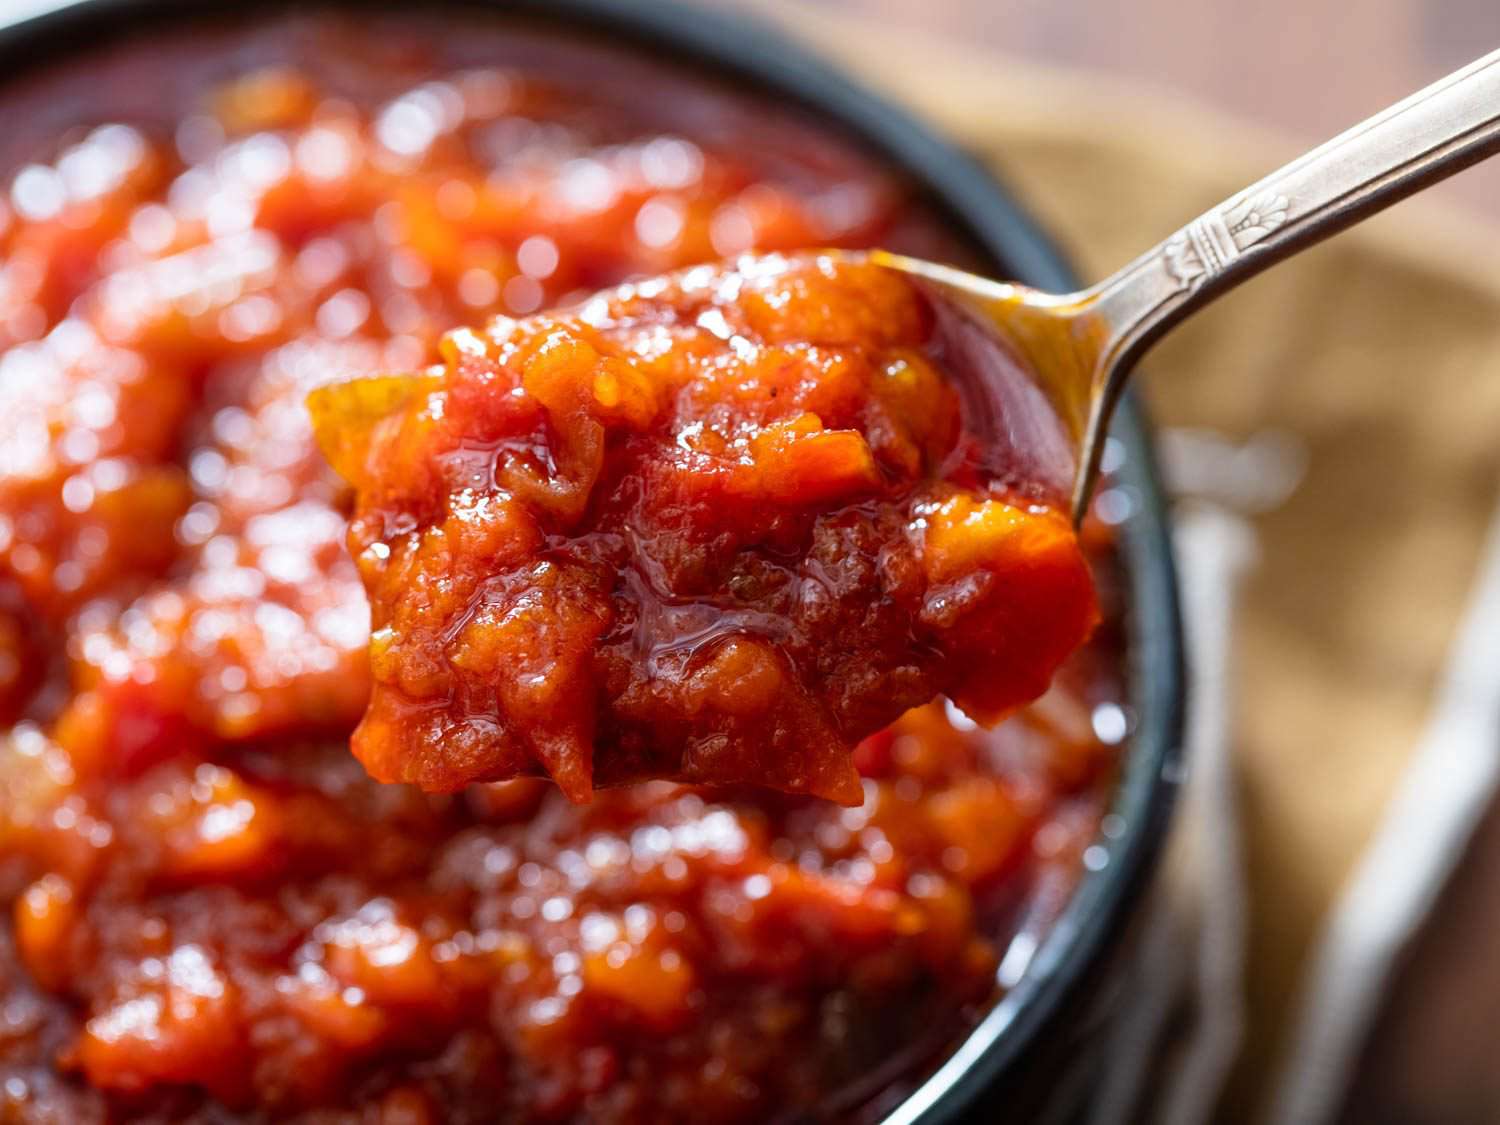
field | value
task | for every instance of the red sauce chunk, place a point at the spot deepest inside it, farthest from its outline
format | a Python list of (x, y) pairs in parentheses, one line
[(209, 911), (715, 527)]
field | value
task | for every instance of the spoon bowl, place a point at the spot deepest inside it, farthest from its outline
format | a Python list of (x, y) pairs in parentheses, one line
[(1023, 360)]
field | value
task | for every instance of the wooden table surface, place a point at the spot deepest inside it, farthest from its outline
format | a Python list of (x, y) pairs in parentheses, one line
[(1307, 67)]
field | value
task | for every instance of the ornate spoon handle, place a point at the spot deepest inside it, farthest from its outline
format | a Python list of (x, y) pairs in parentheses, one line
[(1432, 134)]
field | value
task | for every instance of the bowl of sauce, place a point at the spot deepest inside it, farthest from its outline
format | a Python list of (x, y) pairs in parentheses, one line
[(212, 910)]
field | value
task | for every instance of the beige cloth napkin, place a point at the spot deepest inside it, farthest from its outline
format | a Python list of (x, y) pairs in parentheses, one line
[(1378, 353)]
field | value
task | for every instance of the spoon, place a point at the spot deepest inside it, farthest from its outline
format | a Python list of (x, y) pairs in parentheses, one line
[(1078, 348)]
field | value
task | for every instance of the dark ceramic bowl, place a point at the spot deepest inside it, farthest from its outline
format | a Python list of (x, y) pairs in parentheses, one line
[(1033, 1053)]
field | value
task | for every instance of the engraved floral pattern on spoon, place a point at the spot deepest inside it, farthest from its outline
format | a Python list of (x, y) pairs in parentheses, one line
[(1208, 244)]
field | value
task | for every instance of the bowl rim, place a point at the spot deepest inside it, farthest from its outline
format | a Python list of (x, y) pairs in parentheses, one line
[(737, 46)]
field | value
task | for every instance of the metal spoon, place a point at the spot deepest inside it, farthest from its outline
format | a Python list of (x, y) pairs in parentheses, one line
[(1078, 348)]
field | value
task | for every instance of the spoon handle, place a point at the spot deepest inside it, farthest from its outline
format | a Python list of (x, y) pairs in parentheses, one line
[(1434, 133)]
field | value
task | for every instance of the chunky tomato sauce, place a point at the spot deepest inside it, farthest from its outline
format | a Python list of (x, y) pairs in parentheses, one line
[(211, 911), (714, 527)]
